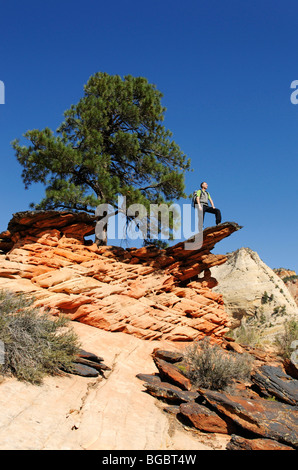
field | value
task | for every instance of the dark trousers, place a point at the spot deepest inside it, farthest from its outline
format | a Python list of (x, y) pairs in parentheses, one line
[(212, 211)]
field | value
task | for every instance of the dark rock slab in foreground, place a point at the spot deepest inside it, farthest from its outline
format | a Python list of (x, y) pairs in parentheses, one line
[(90, 360), (266, 418), (169, 356), (206, 420), (90, 356), (253, 422), (171, 373), (291, 368), (272, 381), (149, 378), (84, 371), (169, 392), (100, 366), (241, 443), (87, 364)]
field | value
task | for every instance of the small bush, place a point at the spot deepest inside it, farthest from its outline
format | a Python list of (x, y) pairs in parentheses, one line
[(213, 368), (35, 344), (264, 298)]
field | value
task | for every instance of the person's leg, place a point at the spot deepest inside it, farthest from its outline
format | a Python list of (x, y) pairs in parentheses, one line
[(217, 216), (204, 210), (214, 211)]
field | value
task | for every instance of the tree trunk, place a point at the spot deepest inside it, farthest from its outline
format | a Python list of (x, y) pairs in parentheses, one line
[(101, 232), (101, 239)]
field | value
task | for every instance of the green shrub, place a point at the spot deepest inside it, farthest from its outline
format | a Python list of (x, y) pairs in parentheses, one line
[(264, 298), (213, 368), (35, 343), (293, 278)]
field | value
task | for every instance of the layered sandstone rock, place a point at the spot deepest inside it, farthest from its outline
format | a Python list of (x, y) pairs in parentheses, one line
[(147, 292), (250, 288), (290, 279)]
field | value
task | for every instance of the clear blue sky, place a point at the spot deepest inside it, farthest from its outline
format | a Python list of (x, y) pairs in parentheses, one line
[(224, 67)]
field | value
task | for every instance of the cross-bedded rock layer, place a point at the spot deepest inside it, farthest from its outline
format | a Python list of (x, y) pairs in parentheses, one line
[(148, 292)]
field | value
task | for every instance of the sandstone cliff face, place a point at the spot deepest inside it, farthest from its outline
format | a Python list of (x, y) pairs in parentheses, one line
[(290, 279), (249, 287), (150, 293)]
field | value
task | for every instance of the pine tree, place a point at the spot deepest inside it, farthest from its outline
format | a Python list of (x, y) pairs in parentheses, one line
[(112, 142)]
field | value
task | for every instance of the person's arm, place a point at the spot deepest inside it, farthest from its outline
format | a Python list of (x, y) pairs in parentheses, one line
[(211, 202), (198, 200)]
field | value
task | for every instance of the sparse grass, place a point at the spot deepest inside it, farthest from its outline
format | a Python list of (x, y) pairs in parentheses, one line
[(35, 344), (213, 368), (248, 333), (257, 330), (285, 340)]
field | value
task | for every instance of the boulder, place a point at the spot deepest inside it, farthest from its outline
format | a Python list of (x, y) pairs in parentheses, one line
[(171, 373), (168, 356), (205, 419)]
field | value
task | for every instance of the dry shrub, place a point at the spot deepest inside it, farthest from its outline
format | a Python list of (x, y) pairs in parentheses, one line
[(213, 368), (35, 344)]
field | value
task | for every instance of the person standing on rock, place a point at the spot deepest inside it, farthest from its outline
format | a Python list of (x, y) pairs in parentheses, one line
[(202, 202)]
